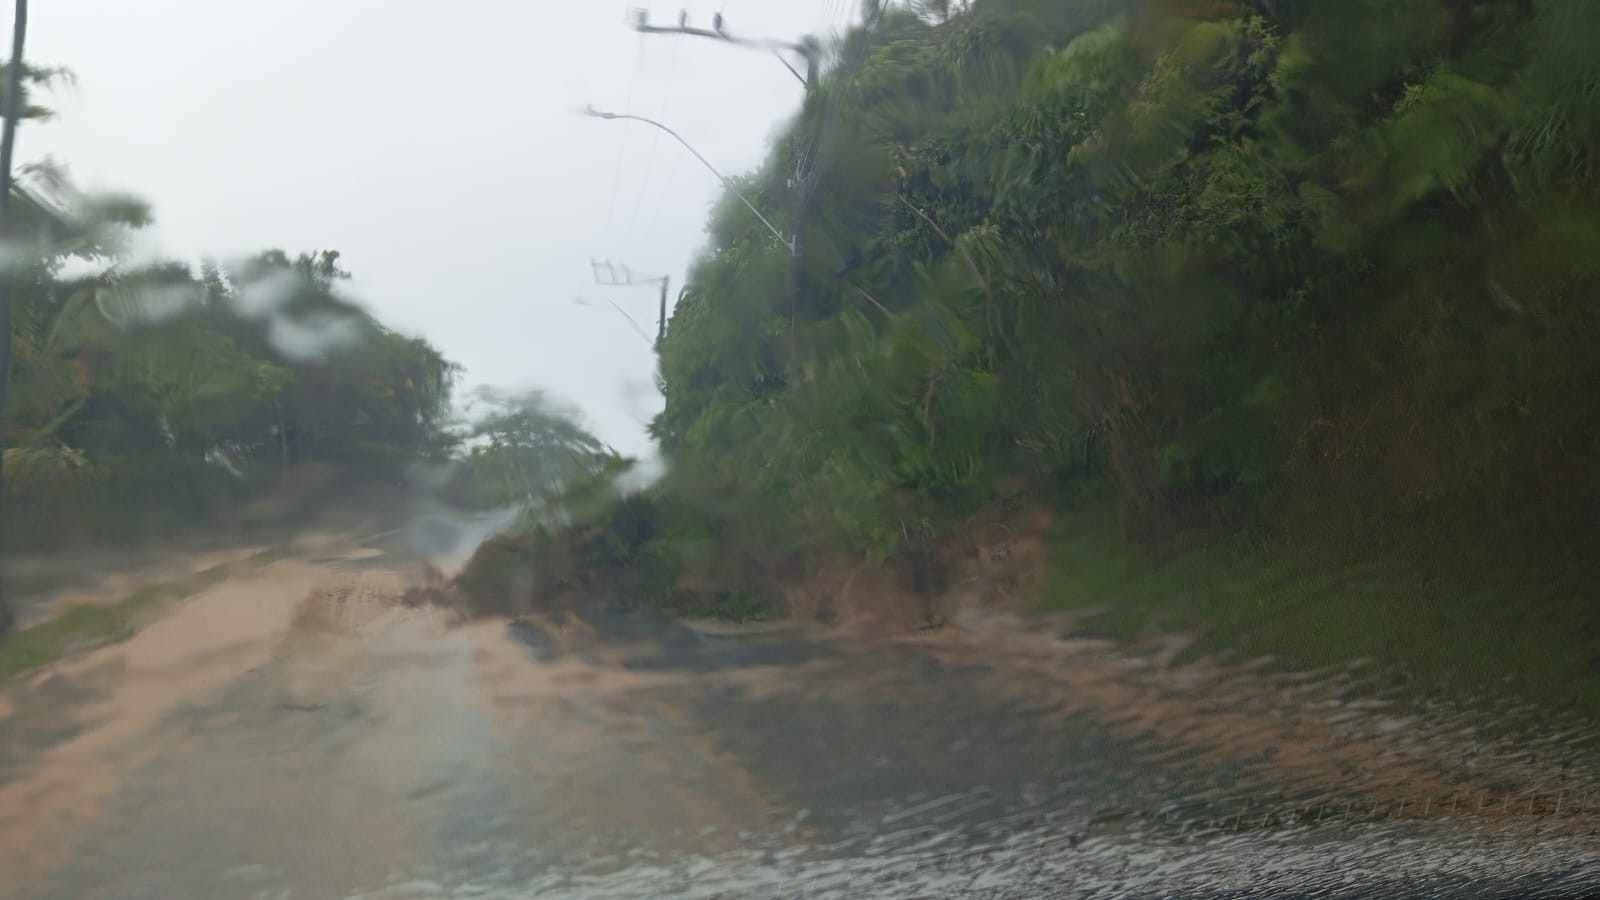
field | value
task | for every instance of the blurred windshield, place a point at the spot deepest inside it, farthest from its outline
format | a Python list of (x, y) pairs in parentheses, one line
[(863, 448)]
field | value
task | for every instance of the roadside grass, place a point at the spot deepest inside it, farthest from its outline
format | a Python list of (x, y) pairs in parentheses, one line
[(1451, 622), (37, 645), (93, 625)]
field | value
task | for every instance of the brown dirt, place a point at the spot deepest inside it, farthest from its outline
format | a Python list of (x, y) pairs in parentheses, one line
[(994, 564), (1308, 732), (1304, 734), (204, 644)]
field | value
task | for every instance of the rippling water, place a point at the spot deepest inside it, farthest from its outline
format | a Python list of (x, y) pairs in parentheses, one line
[(1369, 861), (307, 735)]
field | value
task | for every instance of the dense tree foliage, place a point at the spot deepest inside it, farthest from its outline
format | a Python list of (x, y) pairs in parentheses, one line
[(150, 394), (522, 451), (1230, 260)]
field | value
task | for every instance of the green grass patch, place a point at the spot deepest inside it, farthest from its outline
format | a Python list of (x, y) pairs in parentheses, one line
[(46, 642), (1448, 619)]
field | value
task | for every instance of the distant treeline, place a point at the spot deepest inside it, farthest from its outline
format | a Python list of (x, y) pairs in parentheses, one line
[(148, 397)]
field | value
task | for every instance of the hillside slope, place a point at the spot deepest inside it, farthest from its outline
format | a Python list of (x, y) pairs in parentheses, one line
[(1287, 279)]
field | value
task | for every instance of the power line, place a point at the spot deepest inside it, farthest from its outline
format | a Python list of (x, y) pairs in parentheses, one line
[(610, 274), (655, 138), (729, 183), (655, 208), (622, 149), (611, 204), (637, 328), (583, 301), (808, 48)]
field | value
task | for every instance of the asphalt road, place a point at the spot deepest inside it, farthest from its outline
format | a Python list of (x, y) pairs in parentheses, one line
[(301, 732)]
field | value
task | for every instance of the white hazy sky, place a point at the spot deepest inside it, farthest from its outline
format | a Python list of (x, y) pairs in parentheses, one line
[(435, 145)]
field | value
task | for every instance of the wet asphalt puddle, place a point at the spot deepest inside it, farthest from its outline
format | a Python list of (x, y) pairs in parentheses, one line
[(900, 770)]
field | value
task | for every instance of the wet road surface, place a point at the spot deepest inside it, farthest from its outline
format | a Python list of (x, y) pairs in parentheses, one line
[(303, 732)]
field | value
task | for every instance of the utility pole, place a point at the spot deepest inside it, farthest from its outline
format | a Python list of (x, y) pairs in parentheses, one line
[(609, 274), (807, 48)]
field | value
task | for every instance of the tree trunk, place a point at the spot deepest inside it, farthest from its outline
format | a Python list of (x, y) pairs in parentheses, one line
[(8, 275)]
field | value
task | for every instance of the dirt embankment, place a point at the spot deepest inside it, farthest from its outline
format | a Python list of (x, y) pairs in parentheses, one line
[(1326, 735), (995, 564), (1330, 734)]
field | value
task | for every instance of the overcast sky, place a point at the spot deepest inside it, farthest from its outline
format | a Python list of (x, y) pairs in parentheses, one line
[(435, 145)]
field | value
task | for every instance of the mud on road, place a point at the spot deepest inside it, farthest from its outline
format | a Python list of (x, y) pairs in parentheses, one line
[(306, 729)]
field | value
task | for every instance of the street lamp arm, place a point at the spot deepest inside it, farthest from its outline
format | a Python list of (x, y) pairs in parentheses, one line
[(726, 181)]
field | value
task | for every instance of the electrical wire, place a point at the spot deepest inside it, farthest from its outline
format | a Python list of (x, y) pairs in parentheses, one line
[(622, 148), (611, 204), (672, 68), (637, 328), (655, 138)]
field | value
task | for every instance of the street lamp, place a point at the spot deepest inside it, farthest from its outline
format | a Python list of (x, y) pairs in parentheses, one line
[(726, 181)]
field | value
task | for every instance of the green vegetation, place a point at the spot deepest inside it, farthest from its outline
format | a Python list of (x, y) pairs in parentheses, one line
[(522, 451), (1450, 620), (29, 648), (146, 399), (1312, 282), (80, 626), (1222, 256)]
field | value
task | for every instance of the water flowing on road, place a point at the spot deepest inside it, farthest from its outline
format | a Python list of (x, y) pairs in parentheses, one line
[(307, 729)]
